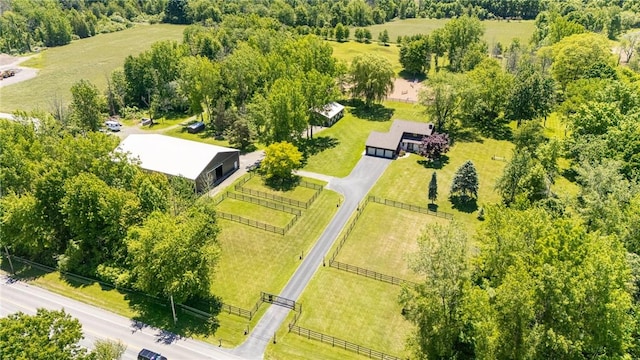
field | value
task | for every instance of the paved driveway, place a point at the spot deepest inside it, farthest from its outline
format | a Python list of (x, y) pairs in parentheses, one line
[(353, 187)]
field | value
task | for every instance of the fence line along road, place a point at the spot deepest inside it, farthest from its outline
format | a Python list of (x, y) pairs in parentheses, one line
[(369, 273), (339, 343)]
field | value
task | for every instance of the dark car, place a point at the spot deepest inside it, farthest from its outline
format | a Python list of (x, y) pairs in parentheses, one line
[(195, 127), (145, 354)]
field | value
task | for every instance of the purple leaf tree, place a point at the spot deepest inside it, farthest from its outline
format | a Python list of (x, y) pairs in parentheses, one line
[(435, 145)]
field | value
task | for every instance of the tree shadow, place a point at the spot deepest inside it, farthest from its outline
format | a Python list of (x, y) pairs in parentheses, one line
[(282, 184), (373, 112), (432, 207), (570, 174), (464, 203), (500, 132), (466, 134), (312, 146), (437, 164), (23, 272), (409, 76), (157, 313)]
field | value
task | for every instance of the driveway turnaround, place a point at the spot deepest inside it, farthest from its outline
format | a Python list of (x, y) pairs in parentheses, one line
[(354, 188), (101, 324)]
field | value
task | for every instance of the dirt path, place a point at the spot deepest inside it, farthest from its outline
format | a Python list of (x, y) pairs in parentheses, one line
[(8, 62)]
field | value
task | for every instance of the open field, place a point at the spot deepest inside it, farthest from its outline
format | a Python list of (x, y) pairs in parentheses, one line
[(92, 59), (494, 31), (385, 249), (350, 307), (346, 51), (254, 260), (394, 184), (351, 133)]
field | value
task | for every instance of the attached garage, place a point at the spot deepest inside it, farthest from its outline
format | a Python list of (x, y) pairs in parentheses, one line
[(403, 135), (206, 165)]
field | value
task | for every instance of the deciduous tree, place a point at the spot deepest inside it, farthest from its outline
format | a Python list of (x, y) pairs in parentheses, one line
[(86, 105), (280, 160), (442, 98), (434, 145), (372, 77)]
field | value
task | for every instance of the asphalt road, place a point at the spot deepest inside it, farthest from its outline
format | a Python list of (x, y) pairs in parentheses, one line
[(98, 323), (354, 187)]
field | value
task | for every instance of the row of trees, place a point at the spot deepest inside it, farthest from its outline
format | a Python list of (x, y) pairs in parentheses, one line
[(69, 201)]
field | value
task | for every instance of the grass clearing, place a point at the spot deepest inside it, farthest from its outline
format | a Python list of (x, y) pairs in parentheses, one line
[(351, 134), (494, 30), (92, 59), (350, 307), (255, 212), (346, 51), (386, 249), (254, 260)]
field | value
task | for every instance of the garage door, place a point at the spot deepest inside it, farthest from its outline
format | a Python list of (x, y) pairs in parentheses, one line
[(388, 154), (380, 152), (371, 151)]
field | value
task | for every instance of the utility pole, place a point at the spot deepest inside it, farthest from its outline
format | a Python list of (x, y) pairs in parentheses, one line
[(6, 249), (173, 310)]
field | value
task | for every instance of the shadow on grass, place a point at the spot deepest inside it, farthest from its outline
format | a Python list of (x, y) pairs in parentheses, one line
[(464, 203), (282, 184), (466, 134), (437, 164), (373, 112), (315, 145), (158, 314), (412, 76), (432, 207), (569, 174), (23, 272)]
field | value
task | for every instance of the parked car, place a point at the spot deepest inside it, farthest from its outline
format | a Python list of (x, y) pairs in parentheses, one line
[(195, 127), (146, 121), (145, 354), (113, 125)]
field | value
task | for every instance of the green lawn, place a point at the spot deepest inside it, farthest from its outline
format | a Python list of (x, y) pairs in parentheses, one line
[(299, 193), (495, 31), (351, 133), (255, 212), (254, 260), (407, 180), (385, 249), (350, 307), (92, 59)]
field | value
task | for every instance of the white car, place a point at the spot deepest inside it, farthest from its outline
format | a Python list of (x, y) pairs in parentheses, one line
[(113, 125)]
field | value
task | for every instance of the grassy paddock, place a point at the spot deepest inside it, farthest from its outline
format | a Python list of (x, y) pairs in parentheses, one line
[(407, 179), (351, 133), (346, 51), (255, 212), (360, 310), (254, 260), (92, 59), (385, 249), (494, 31)]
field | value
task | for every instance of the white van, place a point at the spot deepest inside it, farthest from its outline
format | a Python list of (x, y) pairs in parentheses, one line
[(113, 125)]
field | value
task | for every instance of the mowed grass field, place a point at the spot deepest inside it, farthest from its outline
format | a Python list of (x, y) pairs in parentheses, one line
[(350, 307), (385, 249), (351, 134), (346, 51), (494, 30), (92, 59)]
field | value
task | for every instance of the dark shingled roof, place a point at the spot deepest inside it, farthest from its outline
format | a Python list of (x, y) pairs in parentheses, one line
[(391, 139)]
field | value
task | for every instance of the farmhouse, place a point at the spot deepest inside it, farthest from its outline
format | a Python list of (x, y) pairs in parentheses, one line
[(204, 164), (330, 113), (403, 135)]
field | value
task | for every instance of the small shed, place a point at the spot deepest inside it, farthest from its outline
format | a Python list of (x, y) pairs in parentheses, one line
[(330, 113), (403, 135), (206, 165)]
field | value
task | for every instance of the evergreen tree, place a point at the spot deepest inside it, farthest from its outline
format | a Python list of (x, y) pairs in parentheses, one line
[(465, 181), (433, 188)]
